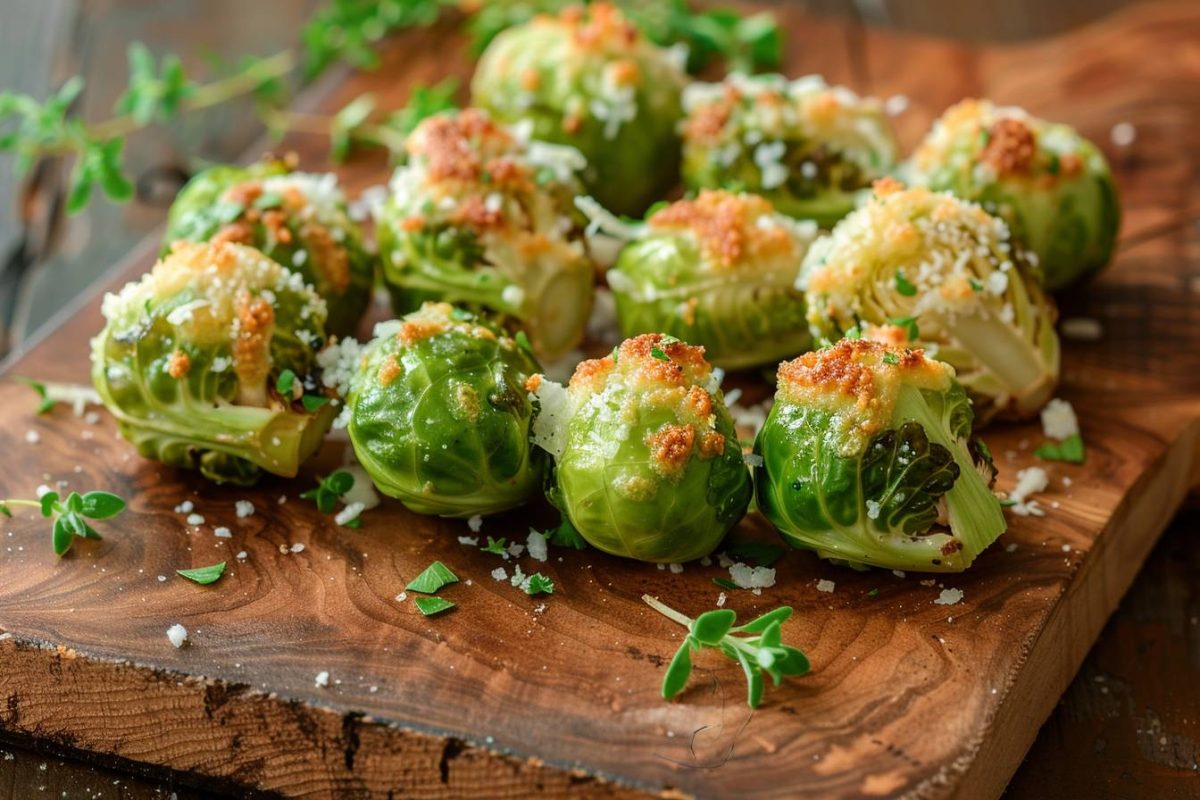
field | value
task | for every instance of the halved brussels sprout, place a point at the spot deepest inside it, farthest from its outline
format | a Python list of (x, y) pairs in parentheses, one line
[(947, 277), (647, 464), (807, 147), (867, 458), (297, 219), (439, 415), (209, 362), (589, 79), (481, 217), (719, 271), (1052, 186)]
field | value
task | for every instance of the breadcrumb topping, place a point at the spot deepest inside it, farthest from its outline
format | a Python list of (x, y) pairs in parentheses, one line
[(734, 230), (649, 361), (434, 319), (859, 380)]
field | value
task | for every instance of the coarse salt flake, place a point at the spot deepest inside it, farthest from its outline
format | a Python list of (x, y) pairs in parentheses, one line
[(177, 634), (949, 597), (824, 585)]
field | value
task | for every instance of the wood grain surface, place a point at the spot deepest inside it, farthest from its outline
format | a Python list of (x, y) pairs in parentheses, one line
[(502, 696)]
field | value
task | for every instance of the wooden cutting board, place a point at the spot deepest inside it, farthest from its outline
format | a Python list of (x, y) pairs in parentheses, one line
[(508, 695)]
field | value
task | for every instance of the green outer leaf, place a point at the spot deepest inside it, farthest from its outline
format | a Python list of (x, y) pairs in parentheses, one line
[(101, 505), (432, 605), (678, 672), (710, 627), (62, 537), (203, 575), (433, 578)]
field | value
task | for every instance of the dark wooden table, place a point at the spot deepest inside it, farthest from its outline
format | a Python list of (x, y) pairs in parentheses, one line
[(1126, 727)]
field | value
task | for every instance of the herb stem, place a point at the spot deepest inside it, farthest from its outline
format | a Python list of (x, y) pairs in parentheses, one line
[(280, 121), (667, 611), (24, 503)]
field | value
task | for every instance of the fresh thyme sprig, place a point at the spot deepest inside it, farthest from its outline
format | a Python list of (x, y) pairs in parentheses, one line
[(328, 490), (761, 652), (157, 93), (70, 515)]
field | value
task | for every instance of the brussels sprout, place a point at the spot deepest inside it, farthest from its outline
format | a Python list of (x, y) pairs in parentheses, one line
[(866, 457), (1051, 185), (295, 218), (439, 415), (587, 78), (480, 217), (808, 148), (209, 362), (719, 271), (948, 277), (647, 464)]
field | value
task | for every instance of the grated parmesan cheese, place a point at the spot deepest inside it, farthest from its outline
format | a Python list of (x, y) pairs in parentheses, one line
[(1059, 420), (177, 634)]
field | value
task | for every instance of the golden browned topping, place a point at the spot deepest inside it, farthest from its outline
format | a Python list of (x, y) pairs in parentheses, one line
[(728, 227), (275, 221), (328, 256), (671, 448), (533, 383), (178, 364), (890, 335), (432, 319), (886, 185), (237, 232), (599, 26), (712, 444), (1011, 147), (251, 348), (475, 213), (706, 122), (847, 368), (459, 146), (390, 370), (244, 193), (651, 360)]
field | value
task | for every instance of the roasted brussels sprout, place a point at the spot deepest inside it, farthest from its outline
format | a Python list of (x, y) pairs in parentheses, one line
[(719, 271), (439, 415), (947, 277), (297, 219), (480, 217), (807, 147), (209, 362), (647, 464), (866, 457), (1051, 185), (589, 79)]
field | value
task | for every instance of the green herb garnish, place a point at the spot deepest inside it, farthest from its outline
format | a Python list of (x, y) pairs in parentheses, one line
[(909, 324), (761, 652), (69, 515), (657, 352), (1070, 450), (433, 578), (203, 575), (725, 583), (329, 489), (432, 605), (537, 583), (496, 547), (312, 402), (286, 383), (891, 358), (47, 402), (522, 341), (903, 285)]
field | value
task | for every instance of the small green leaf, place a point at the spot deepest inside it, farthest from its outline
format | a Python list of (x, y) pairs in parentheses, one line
[(678, 672), (1007, 503), (47, 402), (538, 584), (268, 200), (616, 354), (565, 535), (344, 123), (668, 340), (5, 510), (854, 333), (74, 502), (101, 505), (903, 285), (339, 482), (495, 547), (355, 523), (203, 575), (432, 605), (312, 402), (759, 624), (657, 352), (62, 537), (794, 662), (49, 502), (710, 627), (433, 578), (1070, 450), (891, 358), (725, 583), (285, 383), (754, 681)]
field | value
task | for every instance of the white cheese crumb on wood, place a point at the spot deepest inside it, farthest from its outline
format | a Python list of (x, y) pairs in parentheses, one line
[(177, 634), (244, 508), (536, 544), (1059, 420), (322, 679), (949, 597), (826, 586)]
